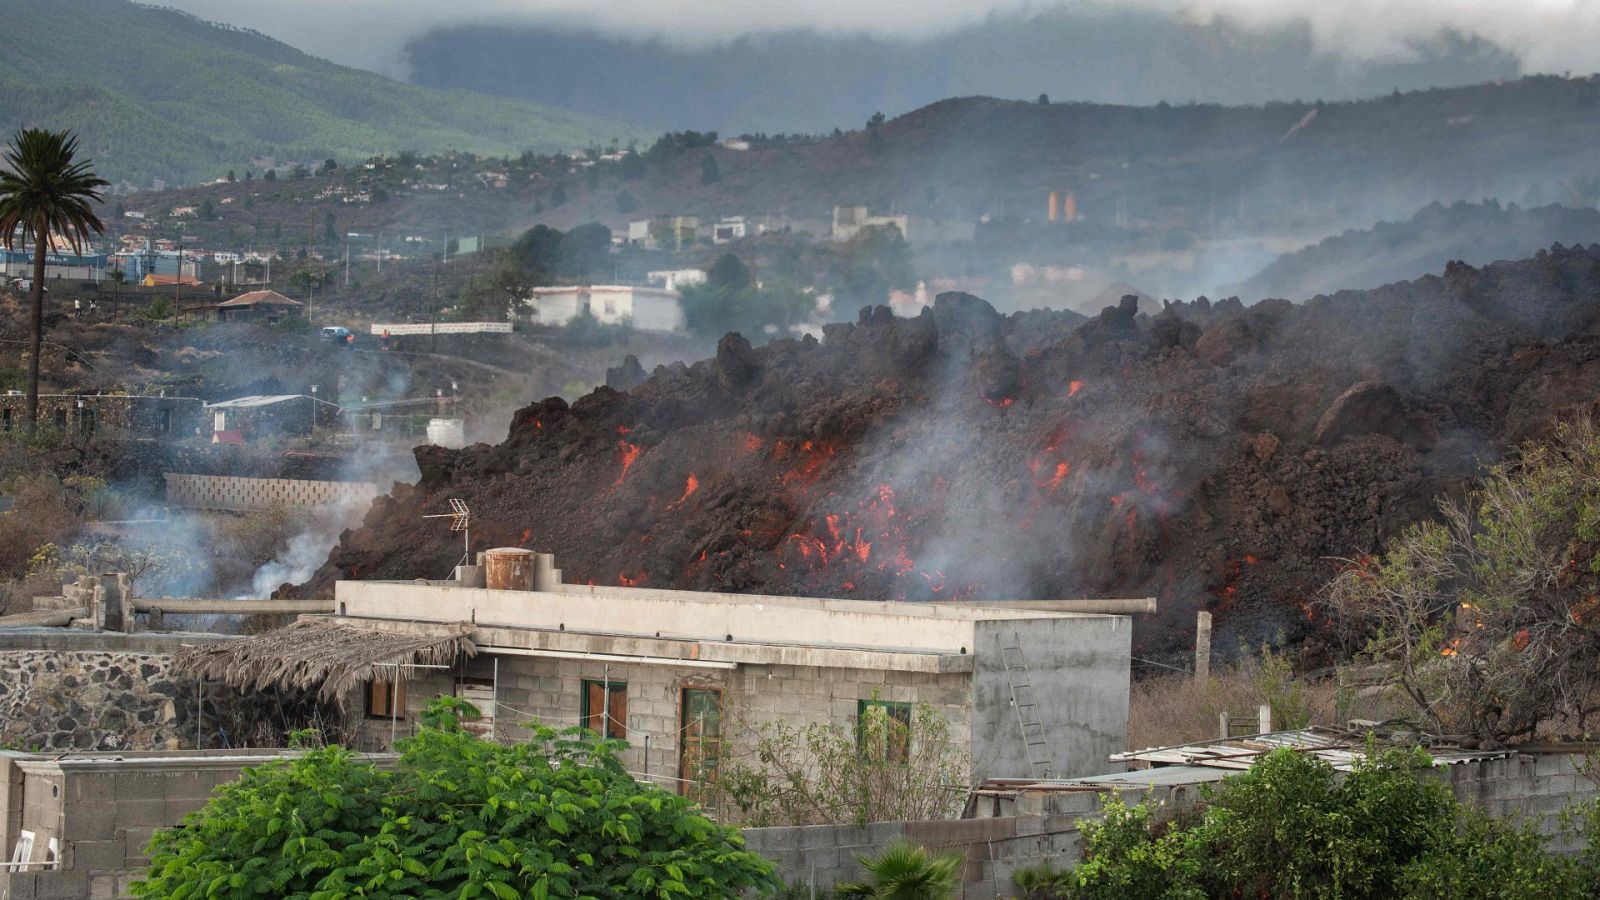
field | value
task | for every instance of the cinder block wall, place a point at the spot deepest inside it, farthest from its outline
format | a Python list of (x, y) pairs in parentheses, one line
[(550, 691), (237, 493), (1044, 826)]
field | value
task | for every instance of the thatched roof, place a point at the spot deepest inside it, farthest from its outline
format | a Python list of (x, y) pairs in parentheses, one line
[(324, 656)]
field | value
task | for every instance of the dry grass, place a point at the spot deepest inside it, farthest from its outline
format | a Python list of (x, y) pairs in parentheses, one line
[(1167, 710)]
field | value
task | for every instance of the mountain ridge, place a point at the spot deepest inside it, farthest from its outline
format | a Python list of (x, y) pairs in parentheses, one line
[(177, 98)]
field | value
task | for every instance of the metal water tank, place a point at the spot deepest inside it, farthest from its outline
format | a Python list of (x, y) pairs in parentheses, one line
[(508, 569)]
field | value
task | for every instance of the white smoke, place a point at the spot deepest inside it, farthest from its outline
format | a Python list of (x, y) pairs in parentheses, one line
[(308, 548), (1550, 35)]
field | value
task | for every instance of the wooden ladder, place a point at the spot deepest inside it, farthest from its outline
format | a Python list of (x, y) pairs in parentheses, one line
[(1026, 706)]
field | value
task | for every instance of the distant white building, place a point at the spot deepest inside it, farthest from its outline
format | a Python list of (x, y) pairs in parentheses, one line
[(639, 232), (676, 279), (645, 308), (728, 230)]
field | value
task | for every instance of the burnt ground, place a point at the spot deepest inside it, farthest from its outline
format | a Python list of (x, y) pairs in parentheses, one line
[(1214, 455)]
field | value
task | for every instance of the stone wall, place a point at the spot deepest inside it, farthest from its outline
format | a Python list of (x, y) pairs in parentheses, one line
[(117, 700), (236, 493), (146, 417)]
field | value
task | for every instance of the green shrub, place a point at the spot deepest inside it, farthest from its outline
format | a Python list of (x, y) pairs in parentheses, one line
[(1290, 827), (556, 816)]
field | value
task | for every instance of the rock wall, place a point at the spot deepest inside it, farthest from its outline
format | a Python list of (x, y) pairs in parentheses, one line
[(118, 700)]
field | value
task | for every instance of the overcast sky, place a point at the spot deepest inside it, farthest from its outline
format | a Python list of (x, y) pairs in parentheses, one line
[(1552, 35)]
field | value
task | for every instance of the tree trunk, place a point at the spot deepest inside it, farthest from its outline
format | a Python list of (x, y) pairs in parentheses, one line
[(40, 239)]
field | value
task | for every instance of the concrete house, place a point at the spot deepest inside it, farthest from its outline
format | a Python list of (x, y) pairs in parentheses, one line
[(645, 308), (688, 678)]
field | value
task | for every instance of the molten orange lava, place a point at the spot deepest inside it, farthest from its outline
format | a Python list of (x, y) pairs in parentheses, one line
[(1073, 388), (526, 533), (689, 488), (630, 453), (1061, 475)]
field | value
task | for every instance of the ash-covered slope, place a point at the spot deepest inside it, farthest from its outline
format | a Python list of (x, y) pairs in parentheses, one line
[(1477, 233), (1215, 455)]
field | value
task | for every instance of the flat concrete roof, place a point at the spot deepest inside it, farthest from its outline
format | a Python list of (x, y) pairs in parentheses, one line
[(885, 627)]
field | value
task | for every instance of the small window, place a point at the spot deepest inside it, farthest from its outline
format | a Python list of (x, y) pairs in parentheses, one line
[(164, 420), (611, 307), (5, 420), (883, 728), (61, 420), (379, 695), (606, 701), (88, 423)]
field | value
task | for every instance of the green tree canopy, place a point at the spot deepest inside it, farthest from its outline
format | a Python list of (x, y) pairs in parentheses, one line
[(877, 260), (458, 817), (586, 251), (729, 273), (537, 252), (1292, 827)]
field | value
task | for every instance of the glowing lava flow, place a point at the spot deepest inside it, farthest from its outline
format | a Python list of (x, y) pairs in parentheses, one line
[(630, 453), (1073, 388), (689, 488)]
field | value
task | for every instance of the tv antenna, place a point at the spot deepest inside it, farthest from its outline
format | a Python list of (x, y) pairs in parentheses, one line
[(460, 520)]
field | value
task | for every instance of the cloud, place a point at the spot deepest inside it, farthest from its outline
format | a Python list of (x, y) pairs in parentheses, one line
[(1551, 35)]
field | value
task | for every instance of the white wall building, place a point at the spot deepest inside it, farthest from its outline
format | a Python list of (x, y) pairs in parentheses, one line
[(728, 230), (645, 308), (676, 279)]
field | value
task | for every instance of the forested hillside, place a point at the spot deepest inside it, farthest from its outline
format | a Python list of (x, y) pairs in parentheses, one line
[(157, 93)]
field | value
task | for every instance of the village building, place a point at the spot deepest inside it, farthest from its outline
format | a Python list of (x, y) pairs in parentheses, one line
[(645, 308), (134, 416), (57, 264), (728, 229), (253, 418), (676, 279), (689, 678), (260, 306)]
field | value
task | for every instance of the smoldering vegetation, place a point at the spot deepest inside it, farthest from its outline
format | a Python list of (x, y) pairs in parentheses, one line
[(1214, 455)]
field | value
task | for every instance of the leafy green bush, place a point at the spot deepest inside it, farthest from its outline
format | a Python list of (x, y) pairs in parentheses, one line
[(1290, 827), (556, 816)]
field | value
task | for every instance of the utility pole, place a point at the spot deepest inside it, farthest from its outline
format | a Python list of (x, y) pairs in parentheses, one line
[(177, 284)]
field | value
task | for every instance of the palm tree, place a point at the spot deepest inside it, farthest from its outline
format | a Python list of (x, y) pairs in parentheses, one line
[(906, 871), (45, 195)]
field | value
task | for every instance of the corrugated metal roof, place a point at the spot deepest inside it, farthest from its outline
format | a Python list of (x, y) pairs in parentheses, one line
[(259, 298), (1341, 749), (253, 401)]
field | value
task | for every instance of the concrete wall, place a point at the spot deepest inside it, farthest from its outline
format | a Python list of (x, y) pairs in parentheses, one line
[(1079, 671), (103, 811), (237, 493), (692, 614), (1044, 826), (824, 855), (549, 691)]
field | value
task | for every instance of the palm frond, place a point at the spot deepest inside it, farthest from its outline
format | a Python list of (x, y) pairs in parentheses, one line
[(46, 191)]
